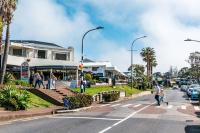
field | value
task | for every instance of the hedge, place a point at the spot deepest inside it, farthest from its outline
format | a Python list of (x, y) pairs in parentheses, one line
[(80, 100), (110, 96)]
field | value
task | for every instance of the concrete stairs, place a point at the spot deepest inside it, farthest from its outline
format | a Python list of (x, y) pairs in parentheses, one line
[(54, 96)]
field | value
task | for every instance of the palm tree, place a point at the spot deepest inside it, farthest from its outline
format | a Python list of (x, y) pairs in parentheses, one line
[(153, 64), (7, 8), (1, 34), (148, 55)]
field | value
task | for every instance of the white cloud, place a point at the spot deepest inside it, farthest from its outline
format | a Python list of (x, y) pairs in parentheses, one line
[(166, 23), (45, 20)]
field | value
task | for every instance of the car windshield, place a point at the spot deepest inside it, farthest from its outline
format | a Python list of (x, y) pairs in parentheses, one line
[(194, 85)]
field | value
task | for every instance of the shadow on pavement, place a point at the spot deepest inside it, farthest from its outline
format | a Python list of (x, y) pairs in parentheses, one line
[(198, 115), (192, 129), (185, 96)]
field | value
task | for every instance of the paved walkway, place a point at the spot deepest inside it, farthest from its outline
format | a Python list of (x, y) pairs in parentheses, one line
[(9, 115)]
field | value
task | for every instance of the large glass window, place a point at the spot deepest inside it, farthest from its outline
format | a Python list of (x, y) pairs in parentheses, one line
[(17, 52), (42, 54), (60, 56)]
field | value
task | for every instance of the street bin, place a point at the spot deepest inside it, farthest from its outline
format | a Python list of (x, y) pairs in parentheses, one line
[(66, 103)]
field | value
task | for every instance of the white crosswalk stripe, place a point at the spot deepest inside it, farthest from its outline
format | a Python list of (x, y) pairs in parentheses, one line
[(114, 105), (126, 105), (183, 107), (104, 105), (137, 105), (196, 108)]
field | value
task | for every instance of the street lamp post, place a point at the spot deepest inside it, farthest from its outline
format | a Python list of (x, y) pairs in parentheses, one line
[(132, 58), (191, 40), (97, 28)]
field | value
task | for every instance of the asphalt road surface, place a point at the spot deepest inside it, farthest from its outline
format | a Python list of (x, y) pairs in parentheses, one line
[(139, 115)]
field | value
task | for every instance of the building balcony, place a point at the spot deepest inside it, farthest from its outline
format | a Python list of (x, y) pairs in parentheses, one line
[(17, 61)]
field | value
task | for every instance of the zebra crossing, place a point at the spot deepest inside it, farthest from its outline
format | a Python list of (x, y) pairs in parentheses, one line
[(127, 105)]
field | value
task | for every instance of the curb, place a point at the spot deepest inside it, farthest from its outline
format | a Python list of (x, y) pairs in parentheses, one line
[(19, 116), (25, 114), (59, 111)]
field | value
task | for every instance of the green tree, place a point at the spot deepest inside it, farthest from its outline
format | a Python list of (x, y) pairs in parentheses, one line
[(7, 8), (138, 70), (88, 76)]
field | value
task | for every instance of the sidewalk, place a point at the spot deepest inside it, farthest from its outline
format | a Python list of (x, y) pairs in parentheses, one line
[(11, 115)]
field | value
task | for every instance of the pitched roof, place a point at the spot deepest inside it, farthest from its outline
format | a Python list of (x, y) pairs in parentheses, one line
[(35, 42), (86, 60)]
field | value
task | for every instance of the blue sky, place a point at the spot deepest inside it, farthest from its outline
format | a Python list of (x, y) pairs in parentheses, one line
[(165, 22)]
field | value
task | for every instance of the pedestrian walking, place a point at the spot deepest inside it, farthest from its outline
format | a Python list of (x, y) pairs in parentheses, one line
[(84, 85), (157, 93), (162, 95)]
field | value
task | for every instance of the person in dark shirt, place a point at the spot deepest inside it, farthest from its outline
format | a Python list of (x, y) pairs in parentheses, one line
[(42, 80)]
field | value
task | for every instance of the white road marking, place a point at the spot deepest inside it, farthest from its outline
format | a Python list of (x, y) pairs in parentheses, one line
[(169, 106), (91, 118), (5, 123), (137, 105), (196, 108), (183, 107), (104, 105), (190, 100), (114, 105), (126, 105), (126, 118)]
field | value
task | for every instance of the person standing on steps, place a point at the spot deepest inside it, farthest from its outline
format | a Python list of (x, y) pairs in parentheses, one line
[(42, 80), (37, 78)]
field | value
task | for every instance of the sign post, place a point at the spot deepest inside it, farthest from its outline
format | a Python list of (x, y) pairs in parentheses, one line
[(25, 71)]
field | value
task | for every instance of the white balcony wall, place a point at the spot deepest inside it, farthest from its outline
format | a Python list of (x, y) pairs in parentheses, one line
[(49, 62), (15, 60)]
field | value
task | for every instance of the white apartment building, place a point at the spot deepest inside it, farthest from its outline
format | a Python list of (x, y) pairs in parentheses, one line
[(194, 59), (42, 56), (103, 69)]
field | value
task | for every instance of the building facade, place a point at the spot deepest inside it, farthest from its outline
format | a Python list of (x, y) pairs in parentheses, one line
[(194, 59), (103, 70), (42, 56)]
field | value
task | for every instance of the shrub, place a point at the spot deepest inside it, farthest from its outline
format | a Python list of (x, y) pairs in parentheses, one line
[(8, 78), (80, 100), (14, 99), (20, 82), (111, 96), (92, 82)]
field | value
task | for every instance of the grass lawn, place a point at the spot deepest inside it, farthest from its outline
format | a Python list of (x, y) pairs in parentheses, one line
[(36, 101), (97, 89)]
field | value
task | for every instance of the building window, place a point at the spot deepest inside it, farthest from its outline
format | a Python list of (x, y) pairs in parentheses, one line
[(60, 56), (17, 52), (42, 54), (68, 56), (94, 68)]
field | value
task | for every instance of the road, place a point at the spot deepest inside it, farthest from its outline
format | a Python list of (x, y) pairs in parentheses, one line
[(139, 115)]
